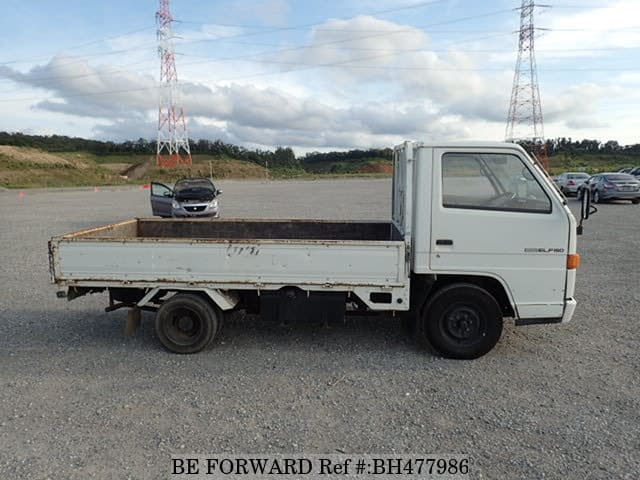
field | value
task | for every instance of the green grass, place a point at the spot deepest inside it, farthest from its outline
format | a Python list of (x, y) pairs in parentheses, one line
[(591, 163), (104, 159), (341, 167)]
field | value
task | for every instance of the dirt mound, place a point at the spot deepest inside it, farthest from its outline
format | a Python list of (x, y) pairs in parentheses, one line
[(228, 168), (138, 170), (220, 168), (34, 156), (378, 167)]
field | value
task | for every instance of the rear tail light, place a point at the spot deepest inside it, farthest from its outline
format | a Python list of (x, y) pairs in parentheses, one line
[(573, 261), (571, 182), (609, 185)]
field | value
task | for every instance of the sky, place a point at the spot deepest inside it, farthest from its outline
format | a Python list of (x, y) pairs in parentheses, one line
[(318, 75)]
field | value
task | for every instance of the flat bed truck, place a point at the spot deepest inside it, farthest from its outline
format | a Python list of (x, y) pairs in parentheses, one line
[(478, 234)]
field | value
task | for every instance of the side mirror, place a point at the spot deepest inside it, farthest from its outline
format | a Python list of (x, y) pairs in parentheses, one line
[(586, 209), (168, 194), (218, 192), (585, 204)]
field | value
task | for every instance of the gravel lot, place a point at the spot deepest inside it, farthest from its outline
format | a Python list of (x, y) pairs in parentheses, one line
[(79, 400)]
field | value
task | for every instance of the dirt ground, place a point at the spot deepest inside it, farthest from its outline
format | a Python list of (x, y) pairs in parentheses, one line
[(80, 400)]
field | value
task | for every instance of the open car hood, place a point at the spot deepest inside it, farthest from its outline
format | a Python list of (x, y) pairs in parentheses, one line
[(195, 194)]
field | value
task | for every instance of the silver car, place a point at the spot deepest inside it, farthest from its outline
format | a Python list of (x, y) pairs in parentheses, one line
[(569, 182), (614, 186), (189, 197)]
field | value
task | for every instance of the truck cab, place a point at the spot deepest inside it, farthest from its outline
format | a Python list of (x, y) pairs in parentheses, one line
[(489, 237), (489, 211)]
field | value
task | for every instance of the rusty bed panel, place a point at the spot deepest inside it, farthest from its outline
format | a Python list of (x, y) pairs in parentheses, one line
[(259, 229), (126, 229), (242, 230)]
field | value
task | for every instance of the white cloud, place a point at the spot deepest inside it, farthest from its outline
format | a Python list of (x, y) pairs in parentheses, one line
[(574, 33)]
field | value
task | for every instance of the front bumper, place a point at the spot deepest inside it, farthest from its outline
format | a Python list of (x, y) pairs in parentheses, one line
[(204, 214), (569, 309), (567, 314), (196, 210)]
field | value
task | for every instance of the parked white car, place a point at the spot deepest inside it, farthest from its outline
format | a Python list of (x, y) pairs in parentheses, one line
[(569, 182)]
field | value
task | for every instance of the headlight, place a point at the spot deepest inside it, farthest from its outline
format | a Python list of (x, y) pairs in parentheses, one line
[(214, 204), (175, 205)]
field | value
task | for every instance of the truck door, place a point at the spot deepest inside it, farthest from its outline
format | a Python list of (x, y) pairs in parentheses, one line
[(491, 216), (161, 200)]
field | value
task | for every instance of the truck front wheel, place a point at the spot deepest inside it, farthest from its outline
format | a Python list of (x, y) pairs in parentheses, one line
[(186, 323), (461, 321)]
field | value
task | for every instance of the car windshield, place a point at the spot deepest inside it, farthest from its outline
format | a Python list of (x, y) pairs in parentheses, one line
[(620, 177), (194, 184)]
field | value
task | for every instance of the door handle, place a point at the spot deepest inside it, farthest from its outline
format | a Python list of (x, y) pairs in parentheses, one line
[(444, 241)]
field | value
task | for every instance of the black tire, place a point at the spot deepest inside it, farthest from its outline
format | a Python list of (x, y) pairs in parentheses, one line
[(186, 323), (596, 196), (460, 321), (635, 201)]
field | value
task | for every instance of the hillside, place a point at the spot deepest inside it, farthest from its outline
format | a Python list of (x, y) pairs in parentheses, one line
[(591, 162), (24, 167)]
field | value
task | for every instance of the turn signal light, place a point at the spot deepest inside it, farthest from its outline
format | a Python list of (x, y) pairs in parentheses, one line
[(573, 261)]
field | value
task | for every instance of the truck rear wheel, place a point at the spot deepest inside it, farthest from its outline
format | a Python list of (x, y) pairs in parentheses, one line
[(461, 321), (186, 323)]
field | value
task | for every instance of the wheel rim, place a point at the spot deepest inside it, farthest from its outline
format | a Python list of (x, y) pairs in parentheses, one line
[(596, 196), (463, 324), (184, 326)]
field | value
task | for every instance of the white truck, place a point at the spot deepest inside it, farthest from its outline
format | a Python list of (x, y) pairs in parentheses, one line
[(478, 234)]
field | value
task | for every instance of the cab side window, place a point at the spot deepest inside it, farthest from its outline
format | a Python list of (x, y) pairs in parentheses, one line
[(491, 181)]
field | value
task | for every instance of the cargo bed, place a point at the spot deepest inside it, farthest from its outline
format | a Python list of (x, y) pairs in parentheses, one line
[(232, 254)]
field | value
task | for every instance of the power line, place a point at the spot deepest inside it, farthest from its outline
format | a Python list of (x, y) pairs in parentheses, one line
[(346, 40), (331, 65), (75, 47), (279, 29), (119, 68), (387, 52), (378, 12), (325, 44)]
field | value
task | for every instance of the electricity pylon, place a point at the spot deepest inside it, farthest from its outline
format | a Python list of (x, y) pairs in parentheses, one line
[(173, 139)]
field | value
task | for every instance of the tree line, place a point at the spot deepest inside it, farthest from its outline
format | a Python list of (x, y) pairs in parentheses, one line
[(567, 145), (283, 157)]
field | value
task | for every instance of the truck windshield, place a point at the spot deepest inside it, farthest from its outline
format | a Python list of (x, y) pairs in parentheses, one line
[(491, 181)]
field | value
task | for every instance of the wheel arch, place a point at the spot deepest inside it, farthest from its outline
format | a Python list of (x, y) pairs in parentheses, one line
[(223, 299), (428, 285)]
